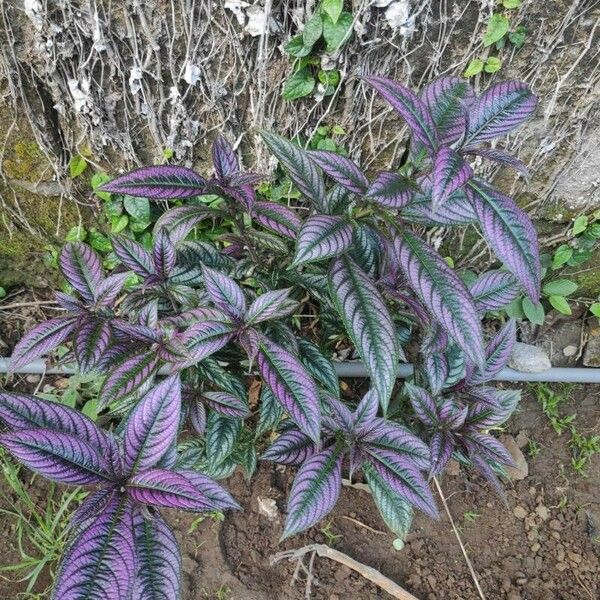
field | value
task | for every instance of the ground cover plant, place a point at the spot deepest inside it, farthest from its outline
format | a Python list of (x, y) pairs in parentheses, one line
[(352, 255)]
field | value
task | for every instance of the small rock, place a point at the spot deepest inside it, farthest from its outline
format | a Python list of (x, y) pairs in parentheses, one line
[(528, 359), (521, 469), (560, 555), (32, 378), (561, 566), (569, 351), (576, 558), (453, 468), (522, 439), (521, 581), (268, 508), (591, 355), (432, 581), (555, 524), (542, 512), (535, 547), (520, 512)]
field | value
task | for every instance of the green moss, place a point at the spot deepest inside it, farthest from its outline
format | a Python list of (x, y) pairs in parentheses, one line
[(586, 276), (25, 161)]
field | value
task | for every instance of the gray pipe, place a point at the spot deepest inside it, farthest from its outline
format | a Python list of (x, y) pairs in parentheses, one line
[(356, 369)]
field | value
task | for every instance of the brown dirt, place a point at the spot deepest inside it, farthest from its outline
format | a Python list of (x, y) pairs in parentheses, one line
[(537, 547)]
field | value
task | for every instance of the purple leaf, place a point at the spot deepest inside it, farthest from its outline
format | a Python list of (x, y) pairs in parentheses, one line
[(133, 255), (292, 447), (456, 210), (151, 428), (450, 172), (22, 411), (482, 465), (163, 253), (62, 457), (314, 492), (493, 406), (448, 99), (497, 353), (158, 183), (336, 200), (322, 236), (101, 561), (225, 293), (341, 415), (437, 370), (494, 290), (243, 194), (292, 386), (197, 414), (398, 439), (204, 339), (411, 108), (510, 233), (451, 414), (158, 559), (91, 507), (110, 288), (249, 340), (489, 447), (131, 331), (319, 366), (367, 322), (443, 293), (300, 168), (277, 218), (218, 497), (227, 404), (366, 412), (423, 404), (224, 158), (91, 341), (500, 109), (82, 268), (127, 373), (341, 169), (69, 303), (271, 305), (166, 489), (42, 339), (404, 479), (501, 157), (179, 221), (441, 447), (391, 190)]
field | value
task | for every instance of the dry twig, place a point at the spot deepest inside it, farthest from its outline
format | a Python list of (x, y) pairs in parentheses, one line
[(322, 550)]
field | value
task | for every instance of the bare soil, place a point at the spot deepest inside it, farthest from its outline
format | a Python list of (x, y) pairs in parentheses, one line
[(543, 544)]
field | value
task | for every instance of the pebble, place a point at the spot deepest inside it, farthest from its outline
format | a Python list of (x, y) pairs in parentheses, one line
[(519, 512), (528, 359), (32, 378), (268, 508), (521, 581), (542, 512), (535, 547), (561, 566), (521, 468), (576, 558), (555, 524)]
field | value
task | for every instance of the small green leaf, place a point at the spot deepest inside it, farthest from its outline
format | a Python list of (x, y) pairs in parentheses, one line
[(299, 84), (561, 304), (336, 34), (329, 77), (99, 241), (99, 179), (90, 409), (168, 153), (497, 28), (533, 311), (77, 165), (333, 8), (595, 309), (339, 130), (138, 208), (117, 224), (2, 292), (326, 144), (76, 234), (559, 287), (492, 64), (515, 309), (517, 37), (475, 67), (579, 257), (561, 256), (295, 47), (511, 3), (580, 225), (312, 31)]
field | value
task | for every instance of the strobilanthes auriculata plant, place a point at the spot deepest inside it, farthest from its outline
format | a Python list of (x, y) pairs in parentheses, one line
[(209, 310)]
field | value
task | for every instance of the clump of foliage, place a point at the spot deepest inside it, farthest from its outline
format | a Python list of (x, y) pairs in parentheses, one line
[(207, 314), (325, 32)]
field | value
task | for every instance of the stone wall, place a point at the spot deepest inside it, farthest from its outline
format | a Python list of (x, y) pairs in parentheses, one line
[(126, 81)]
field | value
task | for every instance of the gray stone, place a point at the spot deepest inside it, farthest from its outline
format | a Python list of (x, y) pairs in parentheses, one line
[(521, 469), (528, 359), (591, 354)]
